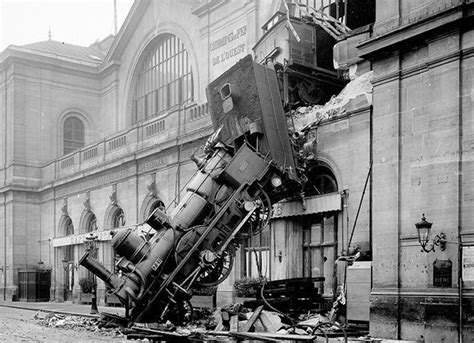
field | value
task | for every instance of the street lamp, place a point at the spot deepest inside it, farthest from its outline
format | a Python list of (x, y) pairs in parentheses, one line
[(424, 227), (91, 248)]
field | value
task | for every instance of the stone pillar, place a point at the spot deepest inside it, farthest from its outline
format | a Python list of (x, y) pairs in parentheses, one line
[(384, 312)]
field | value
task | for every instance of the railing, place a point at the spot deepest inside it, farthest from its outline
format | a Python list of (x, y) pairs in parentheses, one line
[(67, 163), (87, 154), (182, 122), (198, 111), (117, 143), (155, 128)]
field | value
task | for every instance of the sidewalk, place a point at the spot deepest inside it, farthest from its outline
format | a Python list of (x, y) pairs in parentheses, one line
[(67, 308)]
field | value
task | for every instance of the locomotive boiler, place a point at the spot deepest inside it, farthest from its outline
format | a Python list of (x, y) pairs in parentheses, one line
[(246, 165)]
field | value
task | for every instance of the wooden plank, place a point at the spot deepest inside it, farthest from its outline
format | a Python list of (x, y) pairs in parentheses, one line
[(246, 335), (220, 325), (258, 326), (234, 323), (263, 335), (271, 321), (252, 319)]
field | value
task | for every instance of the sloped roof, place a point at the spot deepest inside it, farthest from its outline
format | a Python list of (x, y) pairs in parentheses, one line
[(90, 54)]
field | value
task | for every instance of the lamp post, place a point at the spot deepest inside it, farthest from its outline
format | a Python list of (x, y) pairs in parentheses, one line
[(424, 227), (91, 248)]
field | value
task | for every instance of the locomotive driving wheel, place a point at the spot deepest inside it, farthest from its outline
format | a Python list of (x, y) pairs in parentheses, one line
[(217, 270), (261, 216), (214, 268)]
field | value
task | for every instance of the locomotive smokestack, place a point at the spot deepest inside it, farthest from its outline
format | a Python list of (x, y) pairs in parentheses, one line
[(98, 269)]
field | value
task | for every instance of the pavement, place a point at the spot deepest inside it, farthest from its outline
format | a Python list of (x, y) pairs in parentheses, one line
[(67, 308)]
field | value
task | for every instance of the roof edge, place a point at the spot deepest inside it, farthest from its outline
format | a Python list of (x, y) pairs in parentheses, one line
[(138, 7)]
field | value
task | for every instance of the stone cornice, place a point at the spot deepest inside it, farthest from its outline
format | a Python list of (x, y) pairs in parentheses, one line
[(423, 67), (42, 59), (410, 30), (208, 7)]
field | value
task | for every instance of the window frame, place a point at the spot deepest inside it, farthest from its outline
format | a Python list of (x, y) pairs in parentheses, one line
[(73, 143), (164, 79)]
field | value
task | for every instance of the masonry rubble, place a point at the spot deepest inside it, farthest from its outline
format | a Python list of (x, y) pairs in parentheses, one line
[(358, 89)]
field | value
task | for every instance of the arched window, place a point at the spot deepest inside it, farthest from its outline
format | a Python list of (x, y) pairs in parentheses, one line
[(68, 227), (68, 249), (157, 204), (164, 78), (321, 180), (73, 134), (91, 224), (118, 218)]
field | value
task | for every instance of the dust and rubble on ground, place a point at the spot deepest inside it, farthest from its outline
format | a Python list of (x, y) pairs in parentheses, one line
[(232, 322), (77, 323)]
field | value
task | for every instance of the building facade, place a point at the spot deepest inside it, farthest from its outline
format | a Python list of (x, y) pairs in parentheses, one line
[(95, 138), (421, 53)]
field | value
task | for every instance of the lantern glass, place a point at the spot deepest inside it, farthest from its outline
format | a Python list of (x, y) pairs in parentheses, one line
[(423, 235)]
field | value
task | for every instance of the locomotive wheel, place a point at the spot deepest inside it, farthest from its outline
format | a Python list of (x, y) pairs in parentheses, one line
[(261, 217), (213, 273), (218, 270)]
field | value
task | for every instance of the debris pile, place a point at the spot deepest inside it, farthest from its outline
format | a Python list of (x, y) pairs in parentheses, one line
[(239, 322), (358, 89), (231, 322), (77, 323)]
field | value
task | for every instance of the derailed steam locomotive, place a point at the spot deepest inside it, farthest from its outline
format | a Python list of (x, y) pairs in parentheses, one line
[(248, 164)]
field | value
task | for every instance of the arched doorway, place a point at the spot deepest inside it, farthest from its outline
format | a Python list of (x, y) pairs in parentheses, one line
[(68, 259), (320, 230)]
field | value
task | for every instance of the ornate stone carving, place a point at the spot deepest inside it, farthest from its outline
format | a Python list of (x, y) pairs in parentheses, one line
[(151, 186), (87, 202), (64, 207), (113, 195)]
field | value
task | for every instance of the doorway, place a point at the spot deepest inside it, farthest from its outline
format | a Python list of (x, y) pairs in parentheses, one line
[(320, 250)]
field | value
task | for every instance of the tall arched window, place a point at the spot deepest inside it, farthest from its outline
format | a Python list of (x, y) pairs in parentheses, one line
[(118, 218), (91, 224), (164, 78), (73, 134), (157, 204), (68, 227), (68, 250)]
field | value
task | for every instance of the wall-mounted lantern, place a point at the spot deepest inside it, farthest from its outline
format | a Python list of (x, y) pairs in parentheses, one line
[(424, 227), (66, 264)]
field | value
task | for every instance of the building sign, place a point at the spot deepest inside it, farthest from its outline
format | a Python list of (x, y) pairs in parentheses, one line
[(468, 264), (442, 273), (227, 49), (79, 239)]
